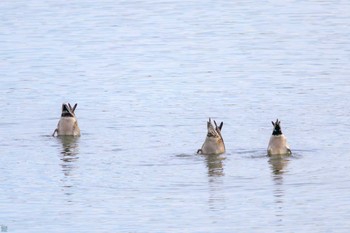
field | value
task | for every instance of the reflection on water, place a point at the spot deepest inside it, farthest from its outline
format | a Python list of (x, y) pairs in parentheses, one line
[(215, 168), (69, 145), (3, 228), (215, 165), (69, 156), (69, 152), (278, 166)]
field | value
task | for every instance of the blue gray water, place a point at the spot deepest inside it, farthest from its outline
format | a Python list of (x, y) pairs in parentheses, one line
[(147, 75)]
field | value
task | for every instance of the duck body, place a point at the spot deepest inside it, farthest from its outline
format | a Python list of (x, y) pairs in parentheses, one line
[(278, 142), (278, 145), (212, 147), (68, 126), (68, 123), (213, 143)]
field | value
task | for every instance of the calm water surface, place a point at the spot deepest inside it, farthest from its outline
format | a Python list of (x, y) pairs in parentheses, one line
[(146, 76)]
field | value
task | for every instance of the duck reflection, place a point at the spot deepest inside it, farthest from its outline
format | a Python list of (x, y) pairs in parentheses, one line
[(215, 165), (69, 157), (215, 168), (278, 166), (69, 153)]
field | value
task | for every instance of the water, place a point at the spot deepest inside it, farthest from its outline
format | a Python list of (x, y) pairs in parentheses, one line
[(146, 76)]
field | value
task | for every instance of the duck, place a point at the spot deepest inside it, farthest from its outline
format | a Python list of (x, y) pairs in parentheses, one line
[(214, 143), (68, 123), (278, 142)]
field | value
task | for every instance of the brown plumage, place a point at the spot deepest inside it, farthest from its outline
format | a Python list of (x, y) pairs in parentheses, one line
[(278, 142), (68, 123), (214, 143)]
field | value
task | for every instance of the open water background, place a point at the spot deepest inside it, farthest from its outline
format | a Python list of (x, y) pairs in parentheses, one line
[(147, 75)]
